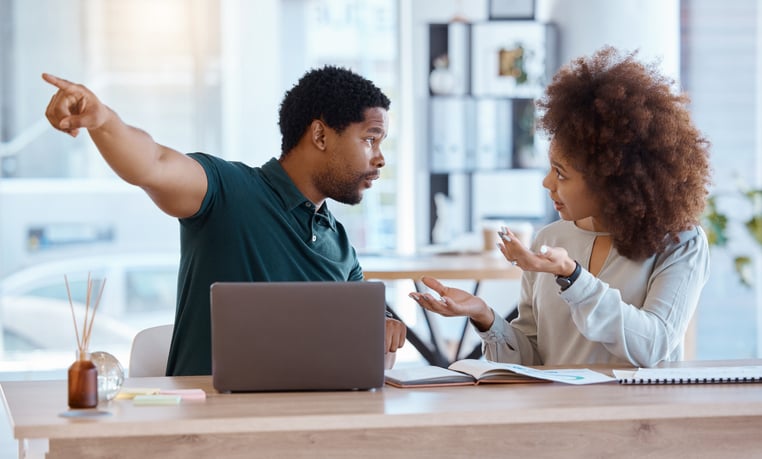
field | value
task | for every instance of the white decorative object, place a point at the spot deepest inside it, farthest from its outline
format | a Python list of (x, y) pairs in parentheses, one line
[(442, 232), (441, 80)]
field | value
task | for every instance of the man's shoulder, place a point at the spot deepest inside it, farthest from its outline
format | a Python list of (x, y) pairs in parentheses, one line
[(218, 162), (220, 170)]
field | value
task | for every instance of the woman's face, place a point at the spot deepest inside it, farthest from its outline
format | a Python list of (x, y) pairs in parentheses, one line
[(571, 196)]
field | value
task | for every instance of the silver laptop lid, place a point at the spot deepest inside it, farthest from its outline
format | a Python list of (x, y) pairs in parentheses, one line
[(285, 336)]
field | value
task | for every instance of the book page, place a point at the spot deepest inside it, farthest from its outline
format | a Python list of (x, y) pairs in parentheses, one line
[(425, 375), (487, 370), (575, 376), (480, 368)]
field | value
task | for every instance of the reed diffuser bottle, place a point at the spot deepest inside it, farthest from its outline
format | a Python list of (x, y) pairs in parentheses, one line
[(83, 382), (83, 375)]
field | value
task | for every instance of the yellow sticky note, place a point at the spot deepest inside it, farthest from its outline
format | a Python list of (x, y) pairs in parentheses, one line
[(128, 393)]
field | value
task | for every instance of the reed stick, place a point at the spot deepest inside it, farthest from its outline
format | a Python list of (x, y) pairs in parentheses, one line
[(73, 318), (83, 340), (95, 308)]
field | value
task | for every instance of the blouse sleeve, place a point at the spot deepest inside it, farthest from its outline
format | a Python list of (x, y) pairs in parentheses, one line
[(647, 333), (514, 342)]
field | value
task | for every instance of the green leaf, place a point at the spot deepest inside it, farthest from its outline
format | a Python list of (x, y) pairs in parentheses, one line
[(743, 268), (715, 224), (754, 225)]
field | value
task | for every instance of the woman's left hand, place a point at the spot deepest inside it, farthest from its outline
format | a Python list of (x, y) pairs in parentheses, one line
[(554, 260)]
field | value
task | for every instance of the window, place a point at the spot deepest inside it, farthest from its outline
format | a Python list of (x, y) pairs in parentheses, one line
[(190, 74), (719, 70), (362, 35)]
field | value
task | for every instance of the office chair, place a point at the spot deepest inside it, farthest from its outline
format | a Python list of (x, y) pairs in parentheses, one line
[(150, 349)]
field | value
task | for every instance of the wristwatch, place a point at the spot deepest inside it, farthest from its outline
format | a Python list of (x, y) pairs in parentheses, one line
[(565, 282)]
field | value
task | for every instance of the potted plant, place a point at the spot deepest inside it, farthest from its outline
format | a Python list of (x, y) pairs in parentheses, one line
[(747, 212)]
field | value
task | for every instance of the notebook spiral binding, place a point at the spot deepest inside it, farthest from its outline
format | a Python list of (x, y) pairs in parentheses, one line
[(634, 381)]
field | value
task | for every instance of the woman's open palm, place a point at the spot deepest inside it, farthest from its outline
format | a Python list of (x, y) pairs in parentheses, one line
[(452, 301)]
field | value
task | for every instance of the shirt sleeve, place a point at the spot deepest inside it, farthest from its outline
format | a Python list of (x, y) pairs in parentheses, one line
[(356, 274), (644, 334), (514, 342)]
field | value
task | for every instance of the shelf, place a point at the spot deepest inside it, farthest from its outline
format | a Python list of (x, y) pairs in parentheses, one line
[(484, 79)]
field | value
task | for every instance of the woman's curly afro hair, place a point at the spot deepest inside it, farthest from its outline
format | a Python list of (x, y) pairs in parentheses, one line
[(335, 95), (618, 122)]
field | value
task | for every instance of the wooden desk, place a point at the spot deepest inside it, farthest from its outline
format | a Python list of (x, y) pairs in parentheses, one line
[(474, 267), (511, 420)]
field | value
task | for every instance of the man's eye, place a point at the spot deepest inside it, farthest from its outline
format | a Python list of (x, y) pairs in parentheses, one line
[(370, 140)]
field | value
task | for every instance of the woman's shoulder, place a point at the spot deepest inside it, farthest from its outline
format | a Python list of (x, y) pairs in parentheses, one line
[(693, 235), (690, 242), (689, 246)]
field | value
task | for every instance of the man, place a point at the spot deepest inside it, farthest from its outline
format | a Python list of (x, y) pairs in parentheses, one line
[(243, 224)]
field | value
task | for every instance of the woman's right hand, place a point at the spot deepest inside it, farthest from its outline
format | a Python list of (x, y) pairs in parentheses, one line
[(553, 260), (454, 302)]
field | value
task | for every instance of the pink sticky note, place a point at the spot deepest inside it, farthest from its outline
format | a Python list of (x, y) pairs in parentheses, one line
[(186, 394)]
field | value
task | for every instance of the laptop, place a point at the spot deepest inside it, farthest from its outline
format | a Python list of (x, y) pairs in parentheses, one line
[(297, 336)]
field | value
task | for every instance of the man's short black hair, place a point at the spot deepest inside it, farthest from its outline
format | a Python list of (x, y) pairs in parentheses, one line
[(335, 95)]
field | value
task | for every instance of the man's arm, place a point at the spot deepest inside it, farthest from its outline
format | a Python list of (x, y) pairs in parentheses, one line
[(174, 181)]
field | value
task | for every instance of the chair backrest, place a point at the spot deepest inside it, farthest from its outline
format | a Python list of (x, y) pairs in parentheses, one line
[(150, 349)]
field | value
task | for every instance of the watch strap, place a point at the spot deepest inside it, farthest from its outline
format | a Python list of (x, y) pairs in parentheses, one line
[(566, 281)]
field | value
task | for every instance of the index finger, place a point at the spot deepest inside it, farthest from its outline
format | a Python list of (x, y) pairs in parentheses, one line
[(59, 83), (432, 283)]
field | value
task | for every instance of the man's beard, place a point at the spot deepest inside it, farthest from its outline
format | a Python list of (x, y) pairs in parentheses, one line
[(343, 191)]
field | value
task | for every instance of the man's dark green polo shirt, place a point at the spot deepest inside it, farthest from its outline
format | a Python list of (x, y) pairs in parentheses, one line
[(254, 225)]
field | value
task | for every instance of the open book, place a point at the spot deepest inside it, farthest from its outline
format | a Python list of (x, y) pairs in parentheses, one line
[(469, 372)]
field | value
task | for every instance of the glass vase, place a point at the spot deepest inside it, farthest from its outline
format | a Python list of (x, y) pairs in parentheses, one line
[(110, 375), (83, 382)]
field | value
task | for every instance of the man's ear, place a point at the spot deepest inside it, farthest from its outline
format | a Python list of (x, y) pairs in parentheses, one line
[(317, 134)]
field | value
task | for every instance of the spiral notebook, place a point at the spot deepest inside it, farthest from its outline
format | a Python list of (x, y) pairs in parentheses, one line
[(690, 375)]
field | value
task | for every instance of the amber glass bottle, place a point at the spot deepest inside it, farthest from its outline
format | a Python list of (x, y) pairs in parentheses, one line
[(83, 382)]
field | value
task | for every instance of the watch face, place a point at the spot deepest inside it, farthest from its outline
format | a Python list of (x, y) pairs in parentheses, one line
[(564, 282)]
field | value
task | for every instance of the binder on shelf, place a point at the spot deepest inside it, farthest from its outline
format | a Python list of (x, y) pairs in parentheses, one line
[(493, 128), (448, 135)]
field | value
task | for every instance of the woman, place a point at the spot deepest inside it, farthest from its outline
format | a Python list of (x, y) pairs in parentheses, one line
[(618, 278)]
